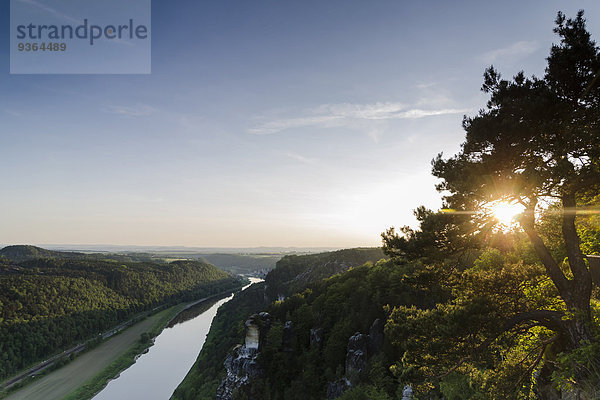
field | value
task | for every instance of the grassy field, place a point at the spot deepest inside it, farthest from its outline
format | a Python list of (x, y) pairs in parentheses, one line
[(88, 373)]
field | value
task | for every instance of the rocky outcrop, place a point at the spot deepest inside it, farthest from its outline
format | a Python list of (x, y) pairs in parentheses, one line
[(360, 348), (252, 339), (356, 361), (356, 357), (407, 392), (316, 338), (241, 364), (337, 388)]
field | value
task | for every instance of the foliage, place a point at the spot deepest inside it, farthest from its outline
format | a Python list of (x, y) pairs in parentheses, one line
[(537, 141), (440, 234), (339, 307), (50, 304), (477, 334), (227, 329), (365, 392), (588, 226), (294, 273), (26, 252)]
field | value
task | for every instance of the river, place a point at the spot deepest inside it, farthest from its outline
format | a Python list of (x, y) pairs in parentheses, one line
[(157, 373)]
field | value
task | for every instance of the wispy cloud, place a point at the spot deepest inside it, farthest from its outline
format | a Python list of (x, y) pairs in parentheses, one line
[(52, 11), (140, 110), (515, 50), (301, 158), (345, 114), (426, 85)]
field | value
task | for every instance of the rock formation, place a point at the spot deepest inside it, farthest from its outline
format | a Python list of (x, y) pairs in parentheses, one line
[(407, 392), (356, 357), (241, 365), (316, 338), (337, 388), (360, 348)]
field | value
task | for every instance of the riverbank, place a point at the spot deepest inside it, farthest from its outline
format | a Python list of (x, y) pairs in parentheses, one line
[(156, 375), (102, 362), (126, 359), (85, 376), (63, 357)]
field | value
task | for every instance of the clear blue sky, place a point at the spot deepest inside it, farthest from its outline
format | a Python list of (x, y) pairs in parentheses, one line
[(275, 123)]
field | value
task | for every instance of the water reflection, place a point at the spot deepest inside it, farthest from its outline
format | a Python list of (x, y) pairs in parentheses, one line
[(194, 311)]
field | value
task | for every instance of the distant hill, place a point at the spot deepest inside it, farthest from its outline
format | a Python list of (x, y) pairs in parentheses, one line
[(295, 273), (26, 252), (242, 263), (20, 253), (235, 263)]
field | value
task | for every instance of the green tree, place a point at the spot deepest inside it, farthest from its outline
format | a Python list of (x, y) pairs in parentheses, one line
[(537, 143), (440, 234)]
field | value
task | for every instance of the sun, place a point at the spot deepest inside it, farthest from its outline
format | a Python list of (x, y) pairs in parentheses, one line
[(506, 213)]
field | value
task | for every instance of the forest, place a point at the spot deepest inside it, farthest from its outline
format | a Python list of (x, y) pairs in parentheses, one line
[(51, 303), (227, 329)]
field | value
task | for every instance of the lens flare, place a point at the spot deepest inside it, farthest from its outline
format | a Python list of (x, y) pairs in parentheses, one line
[(506, 213)]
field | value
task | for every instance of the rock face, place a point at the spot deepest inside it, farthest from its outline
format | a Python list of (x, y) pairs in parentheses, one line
[(316, 338), (337, 388), (407, 392), (252, 339), (241, 364), (360, 347), (356, 357)]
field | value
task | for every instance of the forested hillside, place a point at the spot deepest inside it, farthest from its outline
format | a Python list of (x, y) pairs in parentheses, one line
[(323, 319), (294, 273), (227, 329), (27, 252), (48, 304)]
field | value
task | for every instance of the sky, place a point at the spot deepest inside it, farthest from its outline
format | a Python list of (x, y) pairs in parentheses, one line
[(263, 123)]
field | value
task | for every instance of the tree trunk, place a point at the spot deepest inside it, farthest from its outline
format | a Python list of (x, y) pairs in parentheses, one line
[(551, 266), (581, 285), (575, 292)]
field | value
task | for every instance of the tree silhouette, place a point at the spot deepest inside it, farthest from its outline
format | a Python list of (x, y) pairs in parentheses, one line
[(538, 142)]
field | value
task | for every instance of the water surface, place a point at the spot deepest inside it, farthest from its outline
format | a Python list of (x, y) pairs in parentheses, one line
[(156, 374)]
